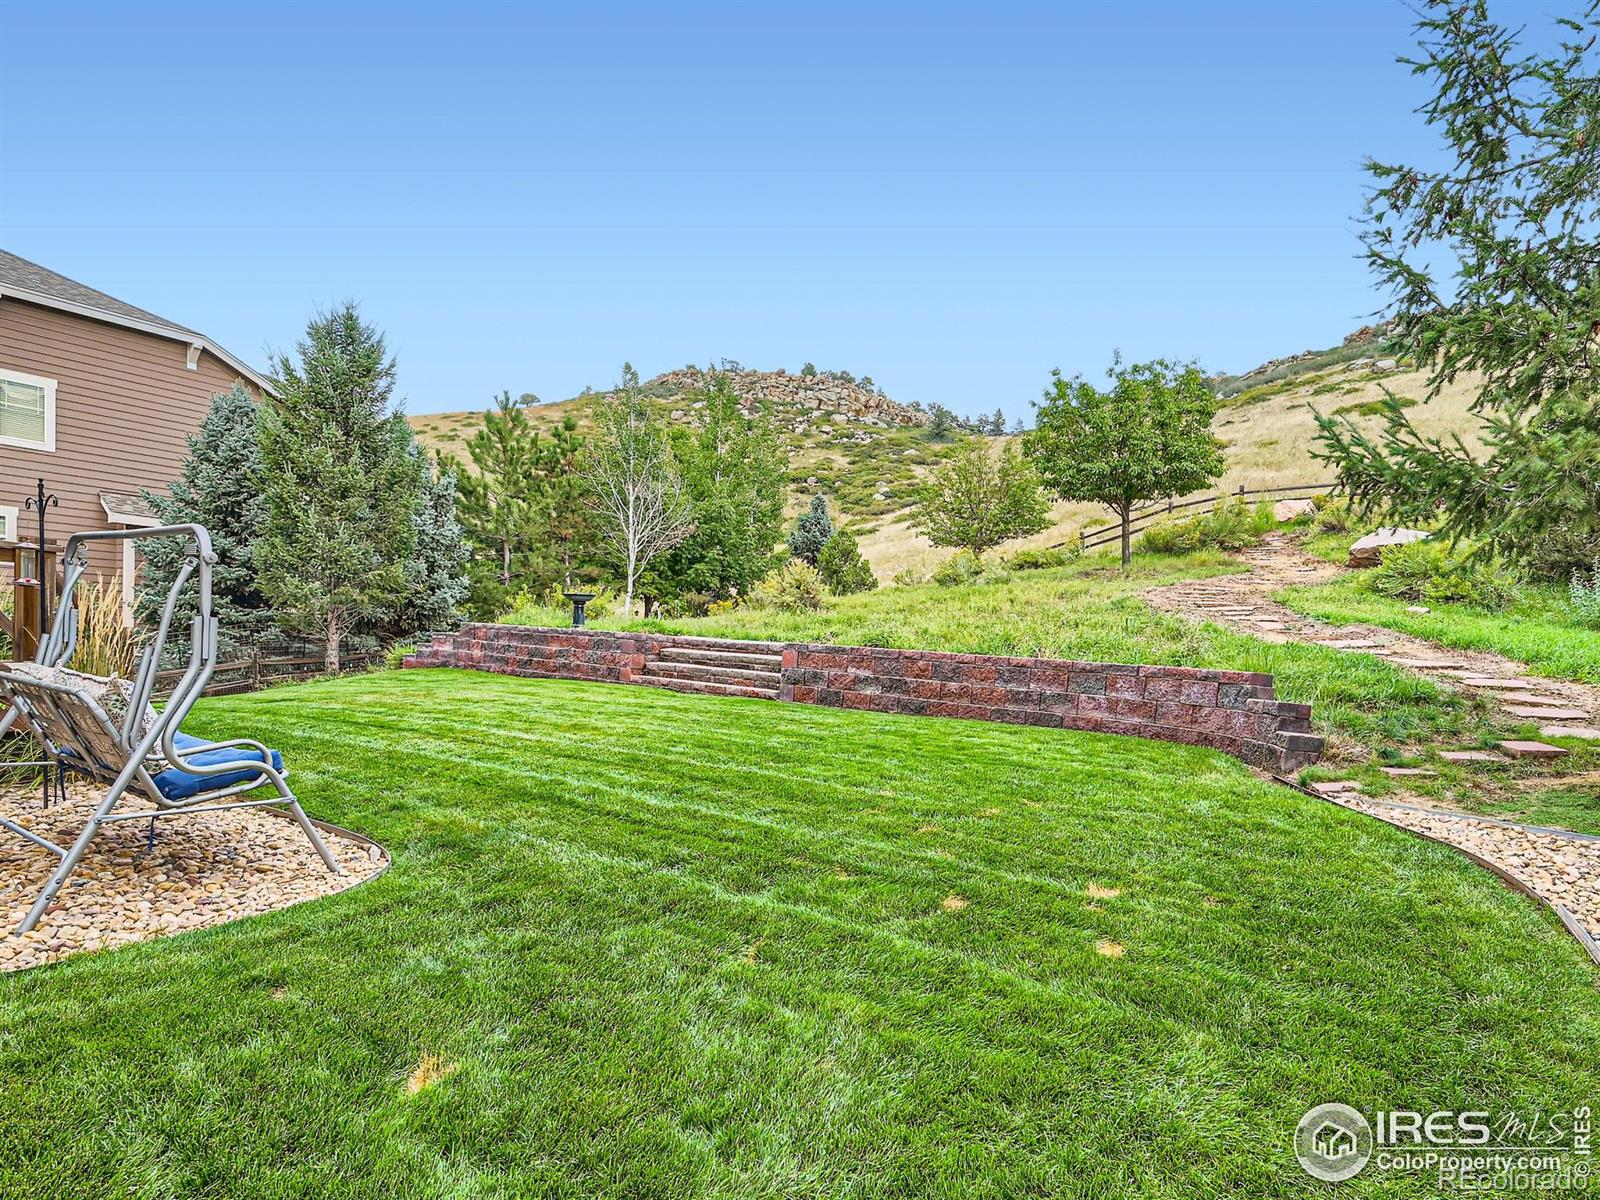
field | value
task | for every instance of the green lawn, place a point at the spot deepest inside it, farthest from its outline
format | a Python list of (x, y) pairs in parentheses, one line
[(680, 945), (1538, 630), (1091, 611)]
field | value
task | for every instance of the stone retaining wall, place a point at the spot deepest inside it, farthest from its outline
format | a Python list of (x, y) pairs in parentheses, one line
[(1234, 711)]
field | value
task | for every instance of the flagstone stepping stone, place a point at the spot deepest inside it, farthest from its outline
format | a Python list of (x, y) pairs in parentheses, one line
[(1399, 772), (1469, 756), (1429, 664), (1572, 731), (1355, 644), (1534, 701), (1498, 684), (1269, 625), (1418, 608), (1539, 713), (1335, 787), (1532, 750)]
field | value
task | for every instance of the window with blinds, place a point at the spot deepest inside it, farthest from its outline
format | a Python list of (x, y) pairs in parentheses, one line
[(27, 411)]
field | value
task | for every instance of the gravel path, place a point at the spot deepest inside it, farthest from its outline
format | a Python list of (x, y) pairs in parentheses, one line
[(204, 870)]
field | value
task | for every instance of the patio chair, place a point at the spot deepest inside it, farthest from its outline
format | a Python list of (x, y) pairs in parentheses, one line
[(108, 730)]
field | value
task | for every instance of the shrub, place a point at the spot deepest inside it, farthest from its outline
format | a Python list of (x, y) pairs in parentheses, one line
[(1230, 525), (1584, 596), (842, 568), (1436, 574), (794, 587), (1043, 560), (961, 567), (1332, 514), (394, 657), (910, 577), (717, 607)]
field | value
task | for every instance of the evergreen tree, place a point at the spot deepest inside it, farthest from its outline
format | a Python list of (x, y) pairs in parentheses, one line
[(978, 501), (502, 506), (218, 486), (842, 568), (942, 423), (340, 484), (437, 570), (733, 466), (1147, 438), (573, 545), (811, 531), (1490, 248)]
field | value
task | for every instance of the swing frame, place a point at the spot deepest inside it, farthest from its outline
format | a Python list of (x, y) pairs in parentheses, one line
[(77, 735)]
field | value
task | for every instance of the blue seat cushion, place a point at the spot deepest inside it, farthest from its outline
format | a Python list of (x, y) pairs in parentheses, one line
[(176, 784)]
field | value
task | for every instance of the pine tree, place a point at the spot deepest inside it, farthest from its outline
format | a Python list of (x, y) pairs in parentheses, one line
[(570, 531), (218, 486), (502, 506), (340, 484), (811, 531)]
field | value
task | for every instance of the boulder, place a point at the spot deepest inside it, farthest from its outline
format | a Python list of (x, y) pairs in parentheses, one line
[(1288, 510), (1368, 551)]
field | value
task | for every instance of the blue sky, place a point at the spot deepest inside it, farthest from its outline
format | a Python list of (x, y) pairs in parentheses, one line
[(951, 198)]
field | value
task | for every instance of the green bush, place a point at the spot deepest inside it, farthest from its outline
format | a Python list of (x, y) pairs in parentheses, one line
[(961, 567), (1433, 573), (796, 586), (1583, 595), (1230, 525), (1043, 560), (394, 656), (1332, 514), (842, 568)]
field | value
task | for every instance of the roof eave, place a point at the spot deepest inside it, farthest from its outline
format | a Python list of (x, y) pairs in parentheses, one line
[(176, 335)]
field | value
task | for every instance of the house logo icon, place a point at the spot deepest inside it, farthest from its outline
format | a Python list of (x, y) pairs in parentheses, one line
[(1333, 1142)]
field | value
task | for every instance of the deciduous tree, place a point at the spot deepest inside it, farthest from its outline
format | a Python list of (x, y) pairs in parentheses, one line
[(978, 501), (1145, 438), (634, 485)]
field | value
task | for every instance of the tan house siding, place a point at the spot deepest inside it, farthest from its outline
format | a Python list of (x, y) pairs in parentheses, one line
[(125, 404)]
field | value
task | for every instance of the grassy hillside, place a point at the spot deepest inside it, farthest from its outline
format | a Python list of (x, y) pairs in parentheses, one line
[(868, 470)]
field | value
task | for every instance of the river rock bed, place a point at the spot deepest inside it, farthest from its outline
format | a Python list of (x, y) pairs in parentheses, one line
[(202, 870), (1559, 868)]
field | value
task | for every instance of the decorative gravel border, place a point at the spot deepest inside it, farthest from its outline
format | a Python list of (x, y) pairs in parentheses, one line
[(200, 871), (1556, 867)]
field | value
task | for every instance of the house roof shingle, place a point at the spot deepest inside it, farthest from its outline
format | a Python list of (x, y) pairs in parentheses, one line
[(32, 282)]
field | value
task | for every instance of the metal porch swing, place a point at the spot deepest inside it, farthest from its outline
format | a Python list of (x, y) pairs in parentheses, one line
[(109, 731)]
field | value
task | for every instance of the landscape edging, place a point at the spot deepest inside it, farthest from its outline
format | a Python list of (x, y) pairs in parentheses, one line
[(1237, 712)]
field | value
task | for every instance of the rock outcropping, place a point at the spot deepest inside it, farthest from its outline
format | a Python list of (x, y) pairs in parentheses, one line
[(822, 393)]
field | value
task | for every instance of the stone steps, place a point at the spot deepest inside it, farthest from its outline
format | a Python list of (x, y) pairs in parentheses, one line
[(711, 657), (715, 673), (704, 687)]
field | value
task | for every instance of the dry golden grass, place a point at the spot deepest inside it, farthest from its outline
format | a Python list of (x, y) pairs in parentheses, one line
[(106, 645), (430, 1069)]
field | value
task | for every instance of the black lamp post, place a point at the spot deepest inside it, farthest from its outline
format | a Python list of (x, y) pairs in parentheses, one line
[(579, 600), (39, 502)]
